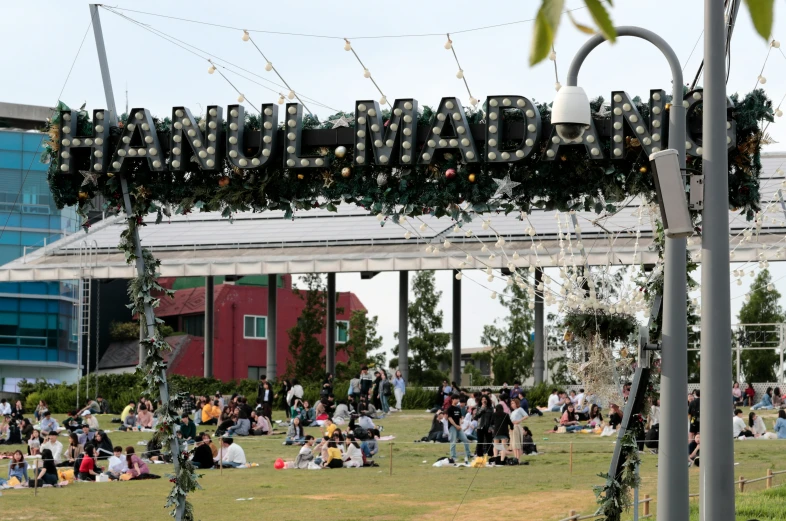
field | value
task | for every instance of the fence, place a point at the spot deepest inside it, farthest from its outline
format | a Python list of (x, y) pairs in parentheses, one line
[(647, 501)]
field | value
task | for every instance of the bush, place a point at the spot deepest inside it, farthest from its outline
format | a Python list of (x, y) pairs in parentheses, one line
[(538, 395), (119, 331)]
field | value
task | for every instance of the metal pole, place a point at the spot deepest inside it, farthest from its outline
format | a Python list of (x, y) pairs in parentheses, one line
[(673, 451), (403, 324), (330, 355), (540, 330), (636, 499), (738, 361), (456, 342), (272, 321), (209, 323), (716, 490), (150, 323)]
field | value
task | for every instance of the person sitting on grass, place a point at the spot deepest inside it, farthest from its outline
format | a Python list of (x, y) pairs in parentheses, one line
[(570, 420), (528, 445), (103, 445), (756, 424), (693, 450), (136, 467), (260, 426), (72, 422), (780, 425), (187, 428), (73, 451), (370, 446), (306, 454), (439, 432), (205, 452), (750, 395), (54, 446), (766, 401), (128, 409), (615, 417), (17, 468), (242, 425), (49, 424), (777, 398), (353, 456), (117, 465), (129, 423), (595, 417), (333, 458), (469, 425), (38, 413), (741, 431), (736, 395), (295, 434), (88, 470), (26, 430), (34, 443), (144, 418), (231, 454), (47, 475)]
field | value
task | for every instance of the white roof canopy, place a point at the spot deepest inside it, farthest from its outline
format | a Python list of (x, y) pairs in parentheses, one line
[(351, 240)]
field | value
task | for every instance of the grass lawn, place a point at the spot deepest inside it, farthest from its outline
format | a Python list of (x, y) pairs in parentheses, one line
[(545, 490)]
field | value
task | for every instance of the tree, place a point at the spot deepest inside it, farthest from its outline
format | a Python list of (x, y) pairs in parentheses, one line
[(557, 344), (550, 14), (306, 352), (363, 340), (512, 351), (427, 345), (761, 365)]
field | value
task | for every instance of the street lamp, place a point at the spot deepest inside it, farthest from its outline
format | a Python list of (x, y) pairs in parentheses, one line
[(570, 122)]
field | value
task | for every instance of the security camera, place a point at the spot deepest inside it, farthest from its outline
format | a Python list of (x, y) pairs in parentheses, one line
[(671, 194), (570, 113)]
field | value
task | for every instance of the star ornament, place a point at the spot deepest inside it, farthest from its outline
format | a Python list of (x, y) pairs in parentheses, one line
[(340, 122), (505, 186), (89, 177)]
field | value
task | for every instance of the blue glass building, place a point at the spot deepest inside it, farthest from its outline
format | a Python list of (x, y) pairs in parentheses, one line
[(38, 320)]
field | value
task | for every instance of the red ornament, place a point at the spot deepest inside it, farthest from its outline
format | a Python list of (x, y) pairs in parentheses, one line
[(279, 464), (450, 173)]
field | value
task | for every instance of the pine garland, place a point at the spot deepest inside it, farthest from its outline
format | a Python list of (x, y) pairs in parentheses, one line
[(613, 498)]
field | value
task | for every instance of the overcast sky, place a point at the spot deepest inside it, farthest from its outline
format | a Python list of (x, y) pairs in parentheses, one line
[(42, 39)]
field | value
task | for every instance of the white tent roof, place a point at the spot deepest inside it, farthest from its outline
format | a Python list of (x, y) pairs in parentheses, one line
[(351, 240)]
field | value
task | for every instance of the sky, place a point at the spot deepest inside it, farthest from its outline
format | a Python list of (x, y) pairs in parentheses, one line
[(159, 75)]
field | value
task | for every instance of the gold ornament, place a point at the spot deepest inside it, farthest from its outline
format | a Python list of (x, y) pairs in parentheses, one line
[(564, 157), (643, 170), (340, 152), (471, 178), (223, 181), (300, 176), (84, 196), (346, 172), (328, 180), (668, 106)]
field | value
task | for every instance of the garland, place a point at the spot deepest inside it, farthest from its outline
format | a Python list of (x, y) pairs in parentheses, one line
[(571, 182), (613, 498)]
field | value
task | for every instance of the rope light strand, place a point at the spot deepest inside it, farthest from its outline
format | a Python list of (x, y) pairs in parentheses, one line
[(241, 97), (270, 67), (383, 100), (460, 74)]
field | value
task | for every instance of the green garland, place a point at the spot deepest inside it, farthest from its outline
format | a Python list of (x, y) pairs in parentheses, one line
[(571, 182), (613, 497)]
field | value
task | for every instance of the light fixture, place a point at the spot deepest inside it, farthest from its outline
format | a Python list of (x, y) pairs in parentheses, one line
[(570, 113), (671, 194)]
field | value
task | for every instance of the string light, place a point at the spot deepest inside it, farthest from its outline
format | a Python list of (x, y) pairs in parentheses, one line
[(383, 100), (460, 74)]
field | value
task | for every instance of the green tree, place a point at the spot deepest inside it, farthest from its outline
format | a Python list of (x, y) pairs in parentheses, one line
[(306, 352), (761, 365), (512, 351), (362, 342), (427, 345), (558, 351)]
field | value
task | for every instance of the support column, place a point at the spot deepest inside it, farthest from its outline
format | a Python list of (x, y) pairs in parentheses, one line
[(456, 342), (716, 488), (150, 317), (271, 369), (330, 350), (209, 322), (403, 324), (540, 330)]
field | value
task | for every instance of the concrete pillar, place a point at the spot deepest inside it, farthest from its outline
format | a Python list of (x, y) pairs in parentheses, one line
[(540, 330), (209, 321), (403, 324), (456, 366), (330, 350), (271, 368)]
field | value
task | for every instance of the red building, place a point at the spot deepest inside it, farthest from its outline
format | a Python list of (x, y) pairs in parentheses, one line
[(240, 327)]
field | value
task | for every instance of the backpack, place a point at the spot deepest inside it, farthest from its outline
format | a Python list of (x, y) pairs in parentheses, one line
[(361, 433)]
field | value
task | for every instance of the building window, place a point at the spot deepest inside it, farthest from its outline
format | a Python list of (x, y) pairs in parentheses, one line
[(194, 325), (256, 372), (254, 326), (342, 331)]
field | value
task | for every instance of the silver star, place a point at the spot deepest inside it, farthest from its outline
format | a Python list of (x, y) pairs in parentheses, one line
[(340, 122), (89, 177), (505, 186)]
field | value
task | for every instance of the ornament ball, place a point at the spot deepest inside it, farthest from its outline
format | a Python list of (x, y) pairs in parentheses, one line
[(643, 170), (450, 173), (223, 181), (300, 176), (340, 152), (346, 171), (471, 178), (83, 196)]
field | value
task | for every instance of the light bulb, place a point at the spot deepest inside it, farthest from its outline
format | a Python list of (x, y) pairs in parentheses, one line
[(557, 86), (408, 235), (366, 73), (246, 36), (762, 79), (281, 99), (291, 94), (347, 46), (449, 44), (553, 56), (268, 66), (460, 74), (211, 69), (473, 101), (458, 275), (241, 99), (383, 100)]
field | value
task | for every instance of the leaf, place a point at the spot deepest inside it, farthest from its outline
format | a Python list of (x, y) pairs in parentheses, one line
[(762, 15), (546, 24), (581, 27), (602, 19)]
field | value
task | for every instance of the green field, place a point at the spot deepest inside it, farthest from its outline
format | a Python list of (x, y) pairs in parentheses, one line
[(545, 490)]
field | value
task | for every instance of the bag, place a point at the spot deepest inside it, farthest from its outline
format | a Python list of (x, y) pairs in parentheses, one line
[(126, 477), (608, 431), (66, 475), (13, 482), (562, 430), (102, 478)]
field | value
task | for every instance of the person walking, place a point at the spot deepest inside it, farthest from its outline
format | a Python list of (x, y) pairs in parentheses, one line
[(455, 430), (399, 389)]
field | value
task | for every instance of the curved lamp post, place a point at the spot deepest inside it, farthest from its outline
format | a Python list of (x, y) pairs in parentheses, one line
[(673, 451)]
